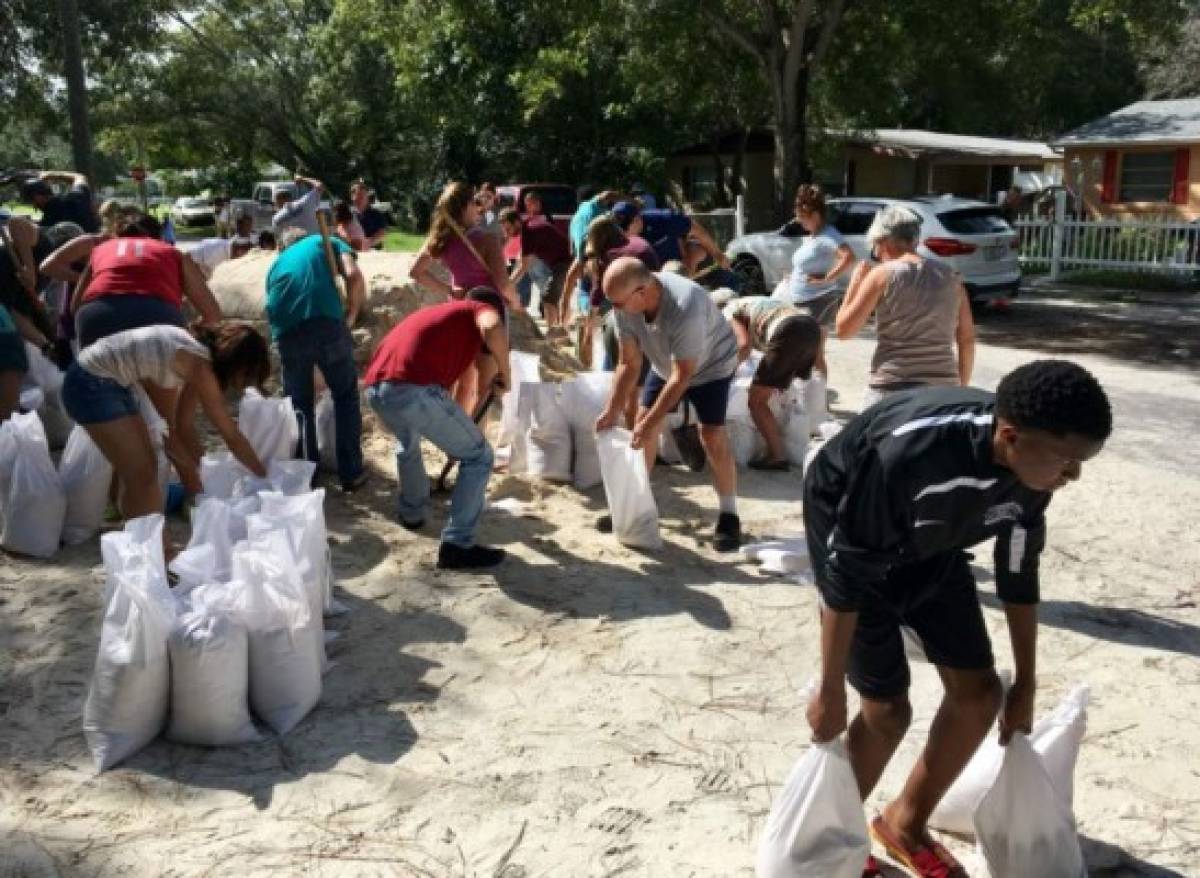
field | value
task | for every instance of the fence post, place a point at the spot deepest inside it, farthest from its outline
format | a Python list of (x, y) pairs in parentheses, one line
[(739, 216), (1057, 234)]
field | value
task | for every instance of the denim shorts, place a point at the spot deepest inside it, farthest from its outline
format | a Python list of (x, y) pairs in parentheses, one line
[(710, 400), (90, 399)]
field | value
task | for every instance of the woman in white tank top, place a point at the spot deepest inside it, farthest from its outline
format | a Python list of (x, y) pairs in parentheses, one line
[(926, 335), (99, 393)]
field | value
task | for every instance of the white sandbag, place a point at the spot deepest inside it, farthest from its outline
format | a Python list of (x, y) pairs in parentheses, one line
[(583, 399), (816, 826), (129, 696), (303, 517), (219, 474), (745, 442), (796, 430), (326, 421), (1056, 737), (194, 566), (1023, 828), (269, 424), (86, 477), (32, 503), (547, 433), (627, 487), (668, 450), (291, 476), (42, 372), (524, 369), (815, 401), (210, 673), (285, 666), (31, 399), (779, 556), (212, 526)]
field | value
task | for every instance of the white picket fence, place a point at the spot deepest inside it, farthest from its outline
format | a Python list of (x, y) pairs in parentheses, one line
[(725, 224), (1151, 244)]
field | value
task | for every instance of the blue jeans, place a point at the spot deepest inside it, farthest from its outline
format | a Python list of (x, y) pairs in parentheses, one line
[(325, 344), (415, 410)]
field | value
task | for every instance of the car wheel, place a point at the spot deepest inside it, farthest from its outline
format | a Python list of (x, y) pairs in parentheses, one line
[(753, 281)]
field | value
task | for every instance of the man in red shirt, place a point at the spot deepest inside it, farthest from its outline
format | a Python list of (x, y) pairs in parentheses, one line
[(540, 239), (408, 387)]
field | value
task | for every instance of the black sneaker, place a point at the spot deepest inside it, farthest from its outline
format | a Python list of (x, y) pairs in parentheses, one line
[(604, 524), (355, 483), (728, 536), (452, 557), (770, 465), (412, 525)]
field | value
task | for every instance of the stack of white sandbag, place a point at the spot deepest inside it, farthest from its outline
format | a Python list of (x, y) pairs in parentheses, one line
[(86, 476), (33, 504), (243, 629)]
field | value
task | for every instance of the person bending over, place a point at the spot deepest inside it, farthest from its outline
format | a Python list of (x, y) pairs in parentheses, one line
[(98, 394), (408, 387), (890, 506), (540, 239), (311, 328), (789, 340), (693, 355)]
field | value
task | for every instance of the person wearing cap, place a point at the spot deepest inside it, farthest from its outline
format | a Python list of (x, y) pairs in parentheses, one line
[(408, 386), (73, 206), (693, 355), (789, 340), (311, 328), (668, 232)]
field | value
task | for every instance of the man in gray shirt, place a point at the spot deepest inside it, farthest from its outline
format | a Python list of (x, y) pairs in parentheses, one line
[(693, 354), (301, 213)]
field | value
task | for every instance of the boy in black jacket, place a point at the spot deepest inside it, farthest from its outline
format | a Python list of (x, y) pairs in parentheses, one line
[(890, 505)]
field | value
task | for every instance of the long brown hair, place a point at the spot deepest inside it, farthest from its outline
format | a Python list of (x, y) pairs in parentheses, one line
[(447, 214), (604, 233), (237, 350), (810, 198)]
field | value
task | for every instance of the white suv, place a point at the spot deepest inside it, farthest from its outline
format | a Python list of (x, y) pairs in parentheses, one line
[(972, 236)]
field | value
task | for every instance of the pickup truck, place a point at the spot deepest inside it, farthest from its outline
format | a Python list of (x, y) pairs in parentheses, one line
[(261, 205)]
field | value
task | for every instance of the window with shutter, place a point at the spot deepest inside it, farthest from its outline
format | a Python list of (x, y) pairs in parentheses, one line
[(1181, 185), (1147, 176)]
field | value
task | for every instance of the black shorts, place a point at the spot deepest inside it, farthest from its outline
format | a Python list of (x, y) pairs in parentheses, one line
[(936, 598), (710, 399), (553, 293), (108, 315), (823, 308), (790, 353)]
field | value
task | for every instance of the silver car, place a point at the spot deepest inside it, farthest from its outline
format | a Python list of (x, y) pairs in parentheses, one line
[(972, 236)]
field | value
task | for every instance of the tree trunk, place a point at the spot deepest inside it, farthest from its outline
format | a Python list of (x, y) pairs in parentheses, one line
[(720, 193), (77, 101), (738, 165), (791, 143)]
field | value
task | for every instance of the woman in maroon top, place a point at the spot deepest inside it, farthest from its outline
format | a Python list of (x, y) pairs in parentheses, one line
[(472, 256)]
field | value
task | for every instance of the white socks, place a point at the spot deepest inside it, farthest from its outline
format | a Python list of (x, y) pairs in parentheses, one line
[(728, 503)]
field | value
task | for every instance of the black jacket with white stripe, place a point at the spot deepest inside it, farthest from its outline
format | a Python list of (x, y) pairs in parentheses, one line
[(912, 477)]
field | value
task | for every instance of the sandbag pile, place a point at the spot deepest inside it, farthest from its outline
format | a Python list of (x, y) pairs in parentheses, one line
[(47, 378), (241, 635), (33, 505)]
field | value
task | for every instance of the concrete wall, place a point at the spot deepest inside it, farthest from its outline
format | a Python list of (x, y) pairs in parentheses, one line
[(1092, 160)]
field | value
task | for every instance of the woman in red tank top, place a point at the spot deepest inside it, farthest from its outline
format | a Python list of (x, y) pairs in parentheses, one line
[(136, 280)]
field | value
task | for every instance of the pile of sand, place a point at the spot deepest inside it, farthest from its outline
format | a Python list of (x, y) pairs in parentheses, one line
[(240, 288)]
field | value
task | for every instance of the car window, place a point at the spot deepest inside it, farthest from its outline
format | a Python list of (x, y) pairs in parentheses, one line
[(974, 221), (853, 218), (261, 194), (792, 229)]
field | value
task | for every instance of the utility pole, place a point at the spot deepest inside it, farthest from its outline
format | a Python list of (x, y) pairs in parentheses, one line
[(77, 102)]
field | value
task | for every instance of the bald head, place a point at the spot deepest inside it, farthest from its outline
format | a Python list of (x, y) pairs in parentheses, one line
[(624, 275)]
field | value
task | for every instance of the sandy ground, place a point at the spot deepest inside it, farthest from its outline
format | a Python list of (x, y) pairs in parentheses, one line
[(593, 711)]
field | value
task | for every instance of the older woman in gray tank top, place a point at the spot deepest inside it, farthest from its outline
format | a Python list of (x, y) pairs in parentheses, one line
[(922, 316)]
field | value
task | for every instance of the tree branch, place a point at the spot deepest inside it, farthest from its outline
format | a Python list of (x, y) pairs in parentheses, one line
[(744, 38), (832, 19)]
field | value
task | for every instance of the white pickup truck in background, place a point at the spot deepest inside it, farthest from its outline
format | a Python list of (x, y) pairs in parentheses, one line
[(261, 204)]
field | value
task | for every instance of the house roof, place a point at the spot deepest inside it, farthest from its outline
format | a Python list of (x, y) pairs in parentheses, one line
[(907, 142), (912, 142), (1144, 122)]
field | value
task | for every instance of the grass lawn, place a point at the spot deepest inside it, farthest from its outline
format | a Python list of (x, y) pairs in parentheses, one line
[(396, 241), (1131, 281)]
